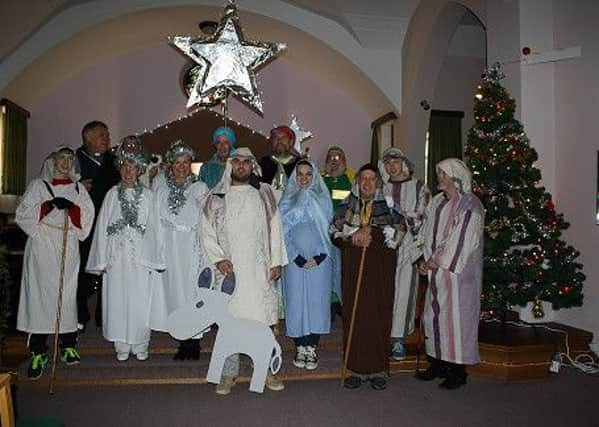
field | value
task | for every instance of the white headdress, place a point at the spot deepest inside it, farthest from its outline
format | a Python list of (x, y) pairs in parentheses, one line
[(394, 153), (47, 172), (225, 182), (459, 172)]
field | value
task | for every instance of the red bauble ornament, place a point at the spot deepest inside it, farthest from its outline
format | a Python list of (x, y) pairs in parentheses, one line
[(550, 205), (525, 51)]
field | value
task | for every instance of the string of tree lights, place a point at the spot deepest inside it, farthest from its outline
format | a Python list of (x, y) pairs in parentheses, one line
[(525, 259)]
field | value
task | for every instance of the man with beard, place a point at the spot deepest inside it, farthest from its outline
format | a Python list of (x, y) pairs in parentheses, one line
[(98, 175), (337, 176), (277, 167), (339, 179), (367, 233), (242, 235)]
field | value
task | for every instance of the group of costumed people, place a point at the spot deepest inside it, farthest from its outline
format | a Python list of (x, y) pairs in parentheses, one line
[(322, 242)]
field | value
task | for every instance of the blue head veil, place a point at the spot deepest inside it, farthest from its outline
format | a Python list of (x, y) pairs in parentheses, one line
[(313, 203)]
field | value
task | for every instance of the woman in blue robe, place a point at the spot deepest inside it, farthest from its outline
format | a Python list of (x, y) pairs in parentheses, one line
[(307, 211)]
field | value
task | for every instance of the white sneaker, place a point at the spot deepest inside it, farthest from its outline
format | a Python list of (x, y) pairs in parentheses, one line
[(311, 358), (142, 355), (299, 361), (121, 357)]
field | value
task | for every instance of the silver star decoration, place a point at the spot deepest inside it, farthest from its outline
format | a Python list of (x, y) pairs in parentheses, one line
[(228, 62), (300, 134), (196, 74), (493, 74)]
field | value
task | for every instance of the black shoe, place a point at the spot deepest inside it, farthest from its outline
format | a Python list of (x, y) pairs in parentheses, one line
[(181, 353), (432, 372), (436, 369), (336, 310), (352, 382), (378, 383), (37, 365), (453, 382), (193, 350)]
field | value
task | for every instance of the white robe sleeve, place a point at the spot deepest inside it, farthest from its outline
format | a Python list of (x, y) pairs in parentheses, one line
[(27, 215), (212, 250), (462, 241), (99, 253), (152, 248), (278, 253)]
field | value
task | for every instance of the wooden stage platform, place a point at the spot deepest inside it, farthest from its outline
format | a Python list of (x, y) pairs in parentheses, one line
[(508, 352)]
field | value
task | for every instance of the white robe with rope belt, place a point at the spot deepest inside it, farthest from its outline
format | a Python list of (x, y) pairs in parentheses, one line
[(43, 255)]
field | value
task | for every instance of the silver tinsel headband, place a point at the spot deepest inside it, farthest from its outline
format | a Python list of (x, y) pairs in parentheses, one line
[(177, 149), (137, 159)]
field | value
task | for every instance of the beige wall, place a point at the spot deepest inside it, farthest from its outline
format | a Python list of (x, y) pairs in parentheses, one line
[(576, 106), (107, 40)]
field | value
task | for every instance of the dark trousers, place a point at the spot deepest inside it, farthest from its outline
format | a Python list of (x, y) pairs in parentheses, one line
[(87, 284), (38, 342), (311, 340)]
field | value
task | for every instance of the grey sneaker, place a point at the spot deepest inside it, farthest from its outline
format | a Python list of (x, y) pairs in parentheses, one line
[(311, 358), (299, 361)]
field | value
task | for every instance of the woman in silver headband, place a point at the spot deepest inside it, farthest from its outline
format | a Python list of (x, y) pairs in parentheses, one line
[(179, 202)]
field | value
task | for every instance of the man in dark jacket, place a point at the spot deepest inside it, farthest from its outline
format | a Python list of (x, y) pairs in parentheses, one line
[(277, 167), (98, 175)]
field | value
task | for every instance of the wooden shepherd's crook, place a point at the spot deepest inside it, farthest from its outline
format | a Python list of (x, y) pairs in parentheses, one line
[(353, 315), (65, 231)]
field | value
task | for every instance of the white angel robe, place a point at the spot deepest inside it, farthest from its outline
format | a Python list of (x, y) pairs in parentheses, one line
[(454, 241), (178, 246), (410, 198), (116, 253), (253, 245), (43, 254)]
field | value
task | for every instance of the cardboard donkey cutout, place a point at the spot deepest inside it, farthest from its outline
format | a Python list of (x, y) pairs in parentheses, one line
[(250, 337)]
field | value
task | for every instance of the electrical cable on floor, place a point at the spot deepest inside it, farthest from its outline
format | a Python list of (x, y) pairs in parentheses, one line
[(584, 362)]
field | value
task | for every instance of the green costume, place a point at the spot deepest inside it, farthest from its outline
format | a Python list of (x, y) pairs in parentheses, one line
[(340, 188)]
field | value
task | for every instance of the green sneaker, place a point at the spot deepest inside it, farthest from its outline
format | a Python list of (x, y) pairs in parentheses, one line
[(70, 356), (36, 366)]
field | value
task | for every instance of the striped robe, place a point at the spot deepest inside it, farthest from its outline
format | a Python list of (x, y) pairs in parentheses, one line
[(410, 198), (454, 241)]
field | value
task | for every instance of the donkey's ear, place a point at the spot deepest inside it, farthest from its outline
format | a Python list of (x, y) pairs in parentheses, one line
[(228, 286), (205, 279)]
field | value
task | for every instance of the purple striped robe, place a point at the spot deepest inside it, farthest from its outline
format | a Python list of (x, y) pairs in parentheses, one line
[(454, 240)]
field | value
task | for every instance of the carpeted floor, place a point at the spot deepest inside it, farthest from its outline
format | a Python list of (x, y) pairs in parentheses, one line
[(569, 399)]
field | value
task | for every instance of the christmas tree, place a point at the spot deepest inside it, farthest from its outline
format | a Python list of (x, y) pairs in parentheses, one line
[(524, 258)]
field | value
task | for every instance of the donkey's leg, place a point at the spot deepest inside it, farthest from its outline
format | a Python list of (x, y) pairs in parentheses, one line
[(261, 363), (220, 364)]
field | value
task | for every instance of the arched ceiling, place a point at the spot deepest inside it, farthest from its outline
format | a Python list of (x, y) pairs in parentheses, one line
[(369, 37), (114, 37)]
